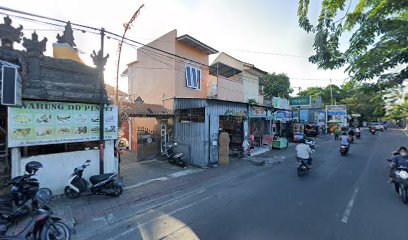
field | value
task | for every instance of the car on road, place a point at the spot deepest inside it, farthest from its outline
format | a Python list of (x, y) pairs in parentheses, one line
[(311, 130), (378, 126)]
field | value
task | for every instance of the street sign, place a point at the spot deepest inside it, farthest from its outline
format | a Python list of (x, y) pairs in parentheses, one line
[(300, 101)]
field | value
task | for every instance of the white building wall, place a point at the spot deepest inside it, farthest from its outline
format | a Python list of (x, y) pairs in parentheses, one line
[(59, 166), (251, 87)]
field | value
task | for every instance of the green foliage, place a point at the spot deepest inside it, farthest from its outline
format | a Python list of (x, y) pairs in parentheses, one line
[(363, 98), (378, 45), (324, 93), (252, 101), (277, 85)]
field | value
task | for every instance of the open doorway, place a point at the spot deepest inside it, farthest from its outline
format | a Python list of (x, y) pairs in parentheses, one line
[(234, 126)]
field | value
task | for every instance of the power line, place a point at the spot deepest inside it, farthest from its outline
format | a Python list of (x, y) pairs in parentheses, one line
[(126, 40)]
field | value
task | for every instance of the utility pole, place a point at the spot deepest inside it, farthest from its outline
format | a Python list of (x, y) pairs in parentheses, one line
[(127, 27), (331, 92), (100, 61), (101, 110)]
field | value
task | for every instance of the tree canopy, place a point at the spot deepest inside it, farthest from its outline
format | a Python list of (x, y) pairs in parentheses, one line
[(366, 99), (378, 46), (277, 85)]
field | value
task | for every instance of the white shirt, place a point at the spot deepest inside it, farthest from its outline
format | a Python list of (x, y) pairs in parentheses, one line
[(303, 151), (357, 129), (344, 140)]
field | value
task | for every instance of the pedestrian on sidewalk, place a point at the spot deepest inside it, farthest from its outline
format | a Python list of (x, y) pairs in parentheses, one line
[(336, 133)]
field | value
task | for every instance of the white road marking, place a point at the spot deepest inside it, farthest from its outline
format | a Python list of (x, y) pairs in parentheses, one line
[(122, 234), (405, 132), (349, 207), (146, 182), (184, 172)]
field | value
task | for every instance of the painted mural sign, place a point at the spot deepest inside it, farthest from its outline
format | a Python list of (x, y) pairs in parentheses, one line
[(40, 123), (258, 111), (282, 115), (280, 103), (337, 114)]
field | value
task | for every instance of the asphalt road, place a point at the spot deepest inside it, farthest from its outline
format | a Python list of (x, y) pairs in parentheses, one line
[(344, 197)]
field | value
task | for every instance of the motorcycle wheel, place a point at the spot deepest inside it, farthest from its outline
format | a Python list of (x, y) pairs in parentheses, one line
[(55, 231), (118, 191), (403, 194), (70, 193), (300, 171)]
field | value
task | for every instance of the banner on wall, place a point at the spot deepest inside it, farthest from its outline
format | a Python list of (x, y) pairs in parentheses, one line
[(40, 123), (280, 103)]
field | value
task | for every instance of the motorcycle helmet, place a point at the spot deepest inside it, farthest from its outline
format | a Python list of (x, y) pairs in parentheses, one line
[(32, 167), (302, 140)]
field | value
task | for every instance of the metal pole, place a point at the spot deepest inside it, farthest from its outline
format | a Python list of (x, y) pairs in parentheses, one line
[(331, 92), (101, 109), (127, 27)]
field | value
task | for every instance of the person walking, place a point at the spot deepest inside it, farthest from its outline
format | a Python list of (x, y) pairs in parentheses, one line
[(336, 133)]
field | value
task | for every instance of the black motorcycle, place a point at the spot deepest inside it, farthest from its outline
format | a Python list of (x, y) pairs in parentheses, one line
[(358, 135), (23, 190), (103, 184), (173, 157), (372, 131), (303, 167), (401, 183), (41, 224), (344, 149)]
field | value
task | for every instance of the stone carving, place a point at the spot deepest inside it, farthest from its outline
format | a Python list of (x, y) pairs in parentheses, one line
[(99, 60), (9, 34), (33, 46), (68, 36)]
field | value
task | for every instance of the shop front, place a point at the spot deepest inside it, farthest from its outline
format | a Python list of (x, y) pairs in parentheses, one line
[(198, 124), (260, 129)]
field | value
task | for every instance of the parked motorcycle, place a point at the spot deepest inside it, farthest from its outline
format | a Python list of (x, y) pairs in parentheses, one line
[(23, 190), (41, 225), (103, 184), (344, 149), (358, 135), (173, 157), (372, 131), (303, 167)]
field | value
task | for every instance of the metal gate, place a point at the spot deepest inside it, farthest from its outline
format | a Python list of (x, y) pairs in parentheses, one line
[(148, 144)]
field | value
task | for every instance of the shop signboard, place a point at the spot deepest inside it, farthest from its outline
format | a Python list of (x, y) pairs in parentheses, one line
[(305, 101), (280, 103), (258, 111), (336, 114), (336, 110), (40, 123), (282, 115), (303, 115)]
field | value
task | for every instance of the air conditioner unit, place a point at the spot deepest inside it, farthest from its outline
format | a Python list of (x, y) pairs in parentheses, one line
[(11, 87)]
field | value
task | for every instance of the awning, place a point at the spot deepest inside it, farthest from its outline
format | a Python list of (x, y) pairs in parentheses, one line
[(145, 110)]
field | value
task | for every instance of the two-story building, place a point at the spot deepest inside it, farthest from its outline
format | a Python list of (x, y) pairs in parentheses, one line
[(174, 71)]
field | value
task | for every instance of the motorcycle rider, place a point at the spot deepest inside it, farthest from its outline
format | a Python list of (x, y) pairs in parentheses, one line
[(344, 140), (351, 133), (304, 151), (400, 158), (358, 130)]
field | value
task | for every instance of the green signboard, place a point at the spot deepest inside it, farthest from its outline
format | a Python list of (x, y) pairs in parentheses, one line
[(300, 101), (39, 123)]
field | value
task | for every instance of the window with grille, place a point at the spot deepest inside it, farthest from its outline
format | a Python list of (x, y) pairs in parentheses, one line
[(193, 77)]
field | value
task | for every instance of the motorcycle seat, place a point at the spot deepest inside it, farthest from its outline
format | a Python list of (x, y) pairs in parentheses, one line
[(99, 178)]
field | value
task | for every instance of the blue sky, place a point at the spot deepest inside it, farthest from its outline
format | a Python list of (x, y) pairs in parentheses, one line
[(239, 28)]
